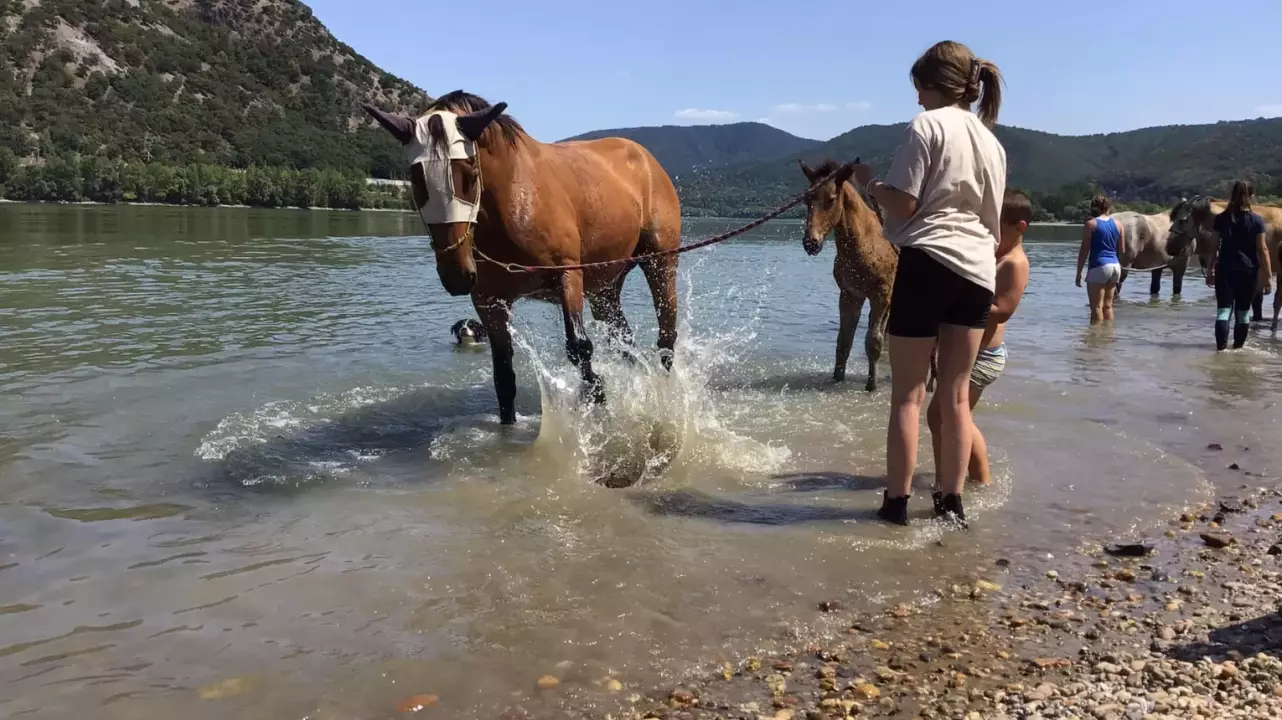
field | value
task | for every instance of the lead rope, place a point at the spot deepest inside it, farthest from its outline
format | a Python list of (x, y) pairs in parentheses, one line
[(518, 268)]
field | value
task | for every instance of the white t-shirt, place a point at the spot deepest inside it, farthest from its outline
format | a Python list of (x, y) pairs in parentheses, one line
[(955, 167)]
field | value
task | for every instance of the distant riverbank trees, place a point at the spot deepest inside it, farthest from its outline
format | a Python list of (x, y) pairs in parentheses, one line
[(102, 180)]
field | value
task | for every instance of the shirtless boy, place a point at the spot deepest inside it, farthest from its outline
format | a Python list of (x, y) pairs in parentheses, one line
[(1012, 278)]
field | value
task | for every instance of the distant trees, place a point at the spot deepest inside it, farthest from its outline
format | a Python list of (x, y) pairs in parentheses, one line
[(69, 178)]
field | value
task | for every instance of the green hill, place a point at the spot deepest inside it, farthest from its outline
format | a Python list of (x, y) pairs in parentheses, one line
[(700, 148), (1151, 165), (177, 83)]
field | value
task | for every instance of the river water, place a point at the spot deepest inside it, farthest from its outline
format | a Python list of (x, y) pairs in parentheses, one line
[(244, 472)]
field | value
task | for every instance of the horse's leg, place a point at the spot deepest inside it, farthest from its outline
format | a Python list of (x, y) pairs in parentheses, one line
[(1155, 285), (661, 275), (1125, 273), (851, 304), (878, 314), (496, 316), (1257, 307), (607, 308), (578, 346), (1177, 277), (1277, 299)]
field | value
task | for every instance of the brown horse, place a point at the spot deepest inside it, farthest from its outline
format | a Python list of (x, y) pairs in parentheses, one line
[(489, 193), (865, 264), (1191, 222)]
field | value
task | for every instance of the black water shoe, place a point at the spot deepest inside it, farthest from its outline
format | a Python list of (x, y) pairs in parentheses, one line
[(894, 510), (937, 498), (949, 507)]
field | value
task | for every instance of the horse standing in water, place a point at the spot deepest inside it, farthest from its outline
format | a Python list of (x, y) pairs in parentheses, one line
[(1191, 225), (1145, 250), (485, 188), (865, 264)]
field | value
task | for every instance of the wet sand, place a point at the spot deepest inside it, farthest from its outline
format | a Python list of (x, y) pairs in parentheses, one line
[(1185, 627)]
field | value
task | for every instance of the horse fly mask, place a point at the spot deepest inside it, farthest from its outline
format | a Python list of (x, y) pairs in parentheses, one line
[(434, 156)]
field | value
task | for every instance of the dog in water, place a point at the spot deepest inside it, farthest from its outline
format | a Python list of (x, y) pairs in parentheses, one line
[(468, 332)]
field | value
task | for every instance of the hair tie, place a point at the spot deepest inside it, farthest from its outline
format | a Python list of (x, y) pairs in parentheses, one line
[(975, 67)]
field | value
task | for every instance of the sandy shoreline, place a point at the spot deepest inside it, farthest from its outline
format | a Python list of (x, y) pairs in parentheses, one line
[(1190, 631)]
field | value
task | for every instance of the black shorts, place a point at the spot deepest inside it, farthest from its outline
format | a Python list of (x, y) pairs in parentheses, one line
[(927, 294), (1235, 287)]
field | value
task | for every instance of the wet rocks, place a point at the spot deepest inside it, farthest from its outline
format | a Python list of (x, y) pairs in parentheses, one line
[(1231, 505), (547, 682), (1217, 540), (1194, 636)]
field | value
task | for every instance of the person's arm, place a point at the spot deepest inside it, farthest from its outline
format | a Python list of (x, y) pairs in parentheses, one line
[(1085, 250), (895, 203), (1266, 263), (899, 194), (1012, 279)]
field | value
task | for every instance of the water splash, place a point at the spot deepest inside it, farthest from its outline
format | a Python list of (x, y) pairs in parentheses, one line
[(655, 422)]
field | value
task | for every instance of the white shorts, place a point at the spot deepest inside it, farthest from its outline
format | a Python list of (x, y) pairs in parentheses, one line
[(1106, 274)]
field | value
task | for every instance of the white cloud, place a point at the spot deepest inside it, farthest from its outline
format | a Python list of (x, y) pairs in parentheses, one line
[(1269, 110), (705, 115), (803, 109)]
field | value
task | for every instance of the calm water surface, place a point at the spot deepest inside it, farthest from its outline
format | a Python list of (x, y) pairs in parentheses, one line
[(244, 472)]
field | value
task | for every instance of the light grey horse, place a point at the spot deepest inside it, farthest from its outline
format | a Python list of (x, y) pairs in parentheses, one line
[(1145, 251)]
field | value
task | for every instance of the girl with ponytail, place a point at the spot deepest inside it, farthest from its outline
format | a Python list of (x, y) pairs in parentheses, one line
[(1241, 265), (942, 202)]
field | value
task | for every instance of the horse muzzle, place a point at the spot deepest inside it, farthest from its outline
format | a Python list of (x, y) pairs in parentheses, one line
[(457, 282), (812, 246)]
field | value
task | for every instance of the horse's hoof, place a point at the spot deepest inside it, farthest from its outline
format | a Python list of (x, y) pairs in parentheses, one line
[(507, 418), (594, 392), (839, 376), (665, 359), (871, 386)]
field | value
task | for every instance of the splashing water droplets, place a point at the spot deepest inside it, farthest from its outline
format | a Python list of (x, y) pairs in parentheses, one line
[(655, 421)]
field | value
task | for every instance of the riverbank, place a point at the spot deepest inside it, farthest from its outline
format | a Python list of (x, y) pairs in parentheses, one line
[(1186, 626), (90, 203)]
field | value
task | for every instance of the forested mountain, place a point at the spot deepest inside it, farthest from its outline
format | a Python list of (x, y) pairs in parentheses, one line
[(1152, 165), (178, 83), (699, 148), (254, 101)]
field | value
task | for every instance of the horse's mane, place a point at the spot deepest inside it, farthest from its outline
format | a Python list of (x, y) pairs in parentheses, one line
[(462, 103), (829, 166), (1199, 206)]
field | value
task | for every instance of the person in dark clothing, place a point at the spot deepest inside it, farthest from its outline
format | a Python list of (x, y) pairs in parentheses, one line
[(1240, 268)]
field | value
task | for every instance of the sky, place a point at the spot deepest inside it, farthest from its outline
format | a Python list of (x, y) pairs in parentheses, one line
[(818, 68)]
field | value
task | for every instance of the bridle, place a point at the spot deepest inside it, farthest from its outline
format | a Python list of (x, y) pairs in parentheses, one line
[(473, 215)]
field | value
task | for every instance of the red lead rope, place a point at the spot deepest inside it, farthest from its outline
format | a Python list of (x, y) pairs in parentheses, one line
[(518, 268)]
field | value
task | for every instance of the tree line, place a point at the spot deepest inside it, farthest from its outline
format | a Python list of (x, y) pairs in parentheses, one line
[(103, 180)]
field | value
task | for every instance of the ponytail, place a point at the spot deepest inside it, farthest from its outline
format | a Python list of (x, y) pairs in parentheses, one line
[(1240, 197), (990, 80)]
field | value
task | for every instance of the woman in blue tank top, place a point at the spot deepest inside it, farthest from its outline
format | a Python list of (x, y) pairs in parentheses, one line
[(1103, 243)]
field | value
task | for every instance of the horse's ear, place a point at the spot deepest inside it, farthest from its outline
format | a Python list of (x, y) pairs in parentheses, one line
[(473, 125), (401, 127), (844, 173), (805, 169)]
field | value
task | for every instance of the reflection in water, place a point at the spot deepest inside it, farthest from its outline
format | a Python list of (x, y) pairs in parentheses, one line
[(247, 473)]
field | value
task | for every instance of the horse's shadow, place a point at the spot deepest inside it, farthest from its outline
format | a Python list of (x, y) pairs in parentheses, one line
[(307, 456), (698, 504), (827, 480), (800, 381)]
